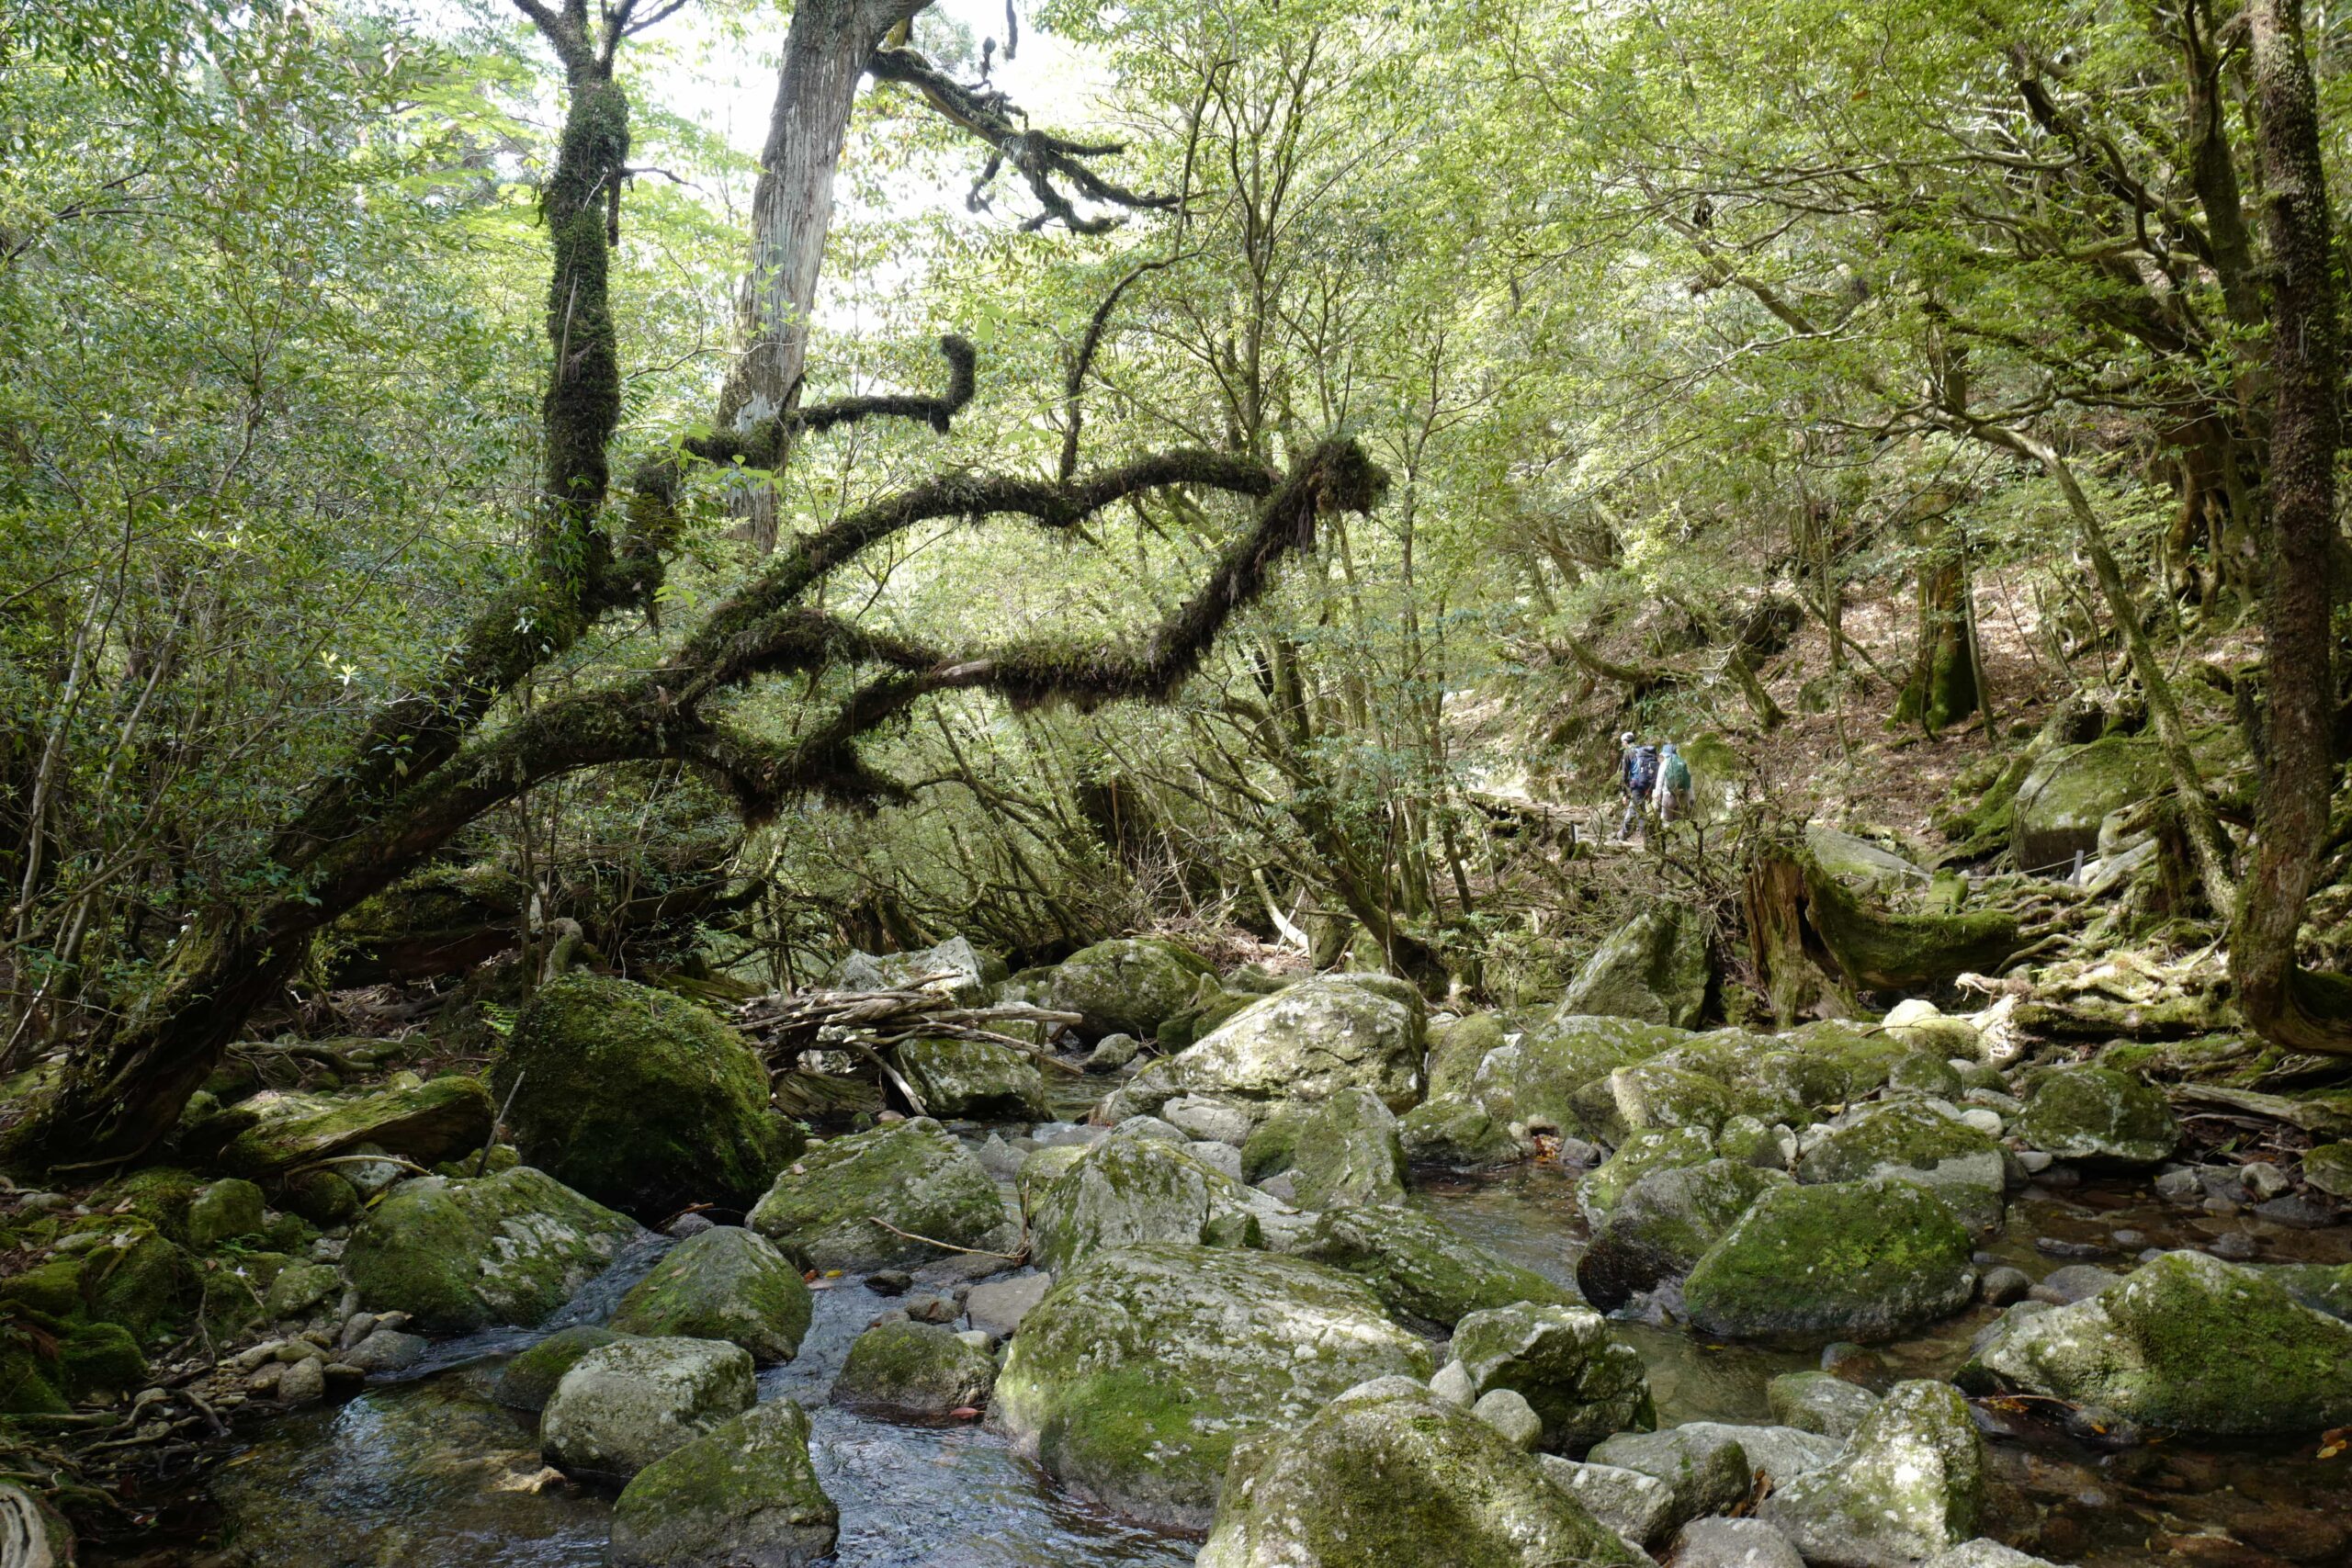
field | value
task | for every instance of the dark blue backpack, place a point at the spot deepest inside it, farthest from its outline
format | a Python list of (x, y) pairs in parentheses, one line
[(1641, 770)]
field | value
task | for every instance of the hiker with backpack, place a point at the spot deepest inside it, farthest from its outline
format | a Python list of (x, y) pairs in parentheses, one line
[(1673, 794), (1637, 776)]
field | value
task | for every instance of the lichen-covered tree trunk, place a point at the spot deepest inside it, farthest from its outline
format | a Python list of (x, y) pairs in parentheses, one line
[(1816, 944), (1942, 691), (2296, 1008)]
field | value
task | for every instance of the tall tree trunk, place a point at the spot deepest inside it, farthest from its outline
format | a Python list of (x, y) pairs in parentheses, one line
[(2284, 1003)]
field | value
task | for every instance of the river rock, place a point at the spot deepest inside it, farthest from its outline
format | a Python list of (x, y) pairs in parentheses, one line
[(1664, 1224), (386, 1350), (528, 1380), (2097, 1113), (458, 1254), (1456, 1049), (639, 1099), (1910, 1484), (1110, 1053), (1920, 1025), (744, 1495), (227, 1208), (1581, 1378), (1639, 1507), (1658, 1094), (913, 1175), (1129, 985), (2186, 1341), (625, 1405), (1212, 1121), (1420, 1268), (2327, 1167), (1508, 1412), (955, 968), (1535, 1080), (1705, 1467), (1125, 1190), (1637, 1157), (913, 1368), (1457, 1131), (423, 1124), (1388, 1474), (975, 1078), (1908, 1141), (996, 1307), (1850, 1259), (1348, 1152), (1735, 1544), (1655, 968), (1982, 1553), (1307, 1042), (723, 1283), (1133, 1379), (1819, 1401)]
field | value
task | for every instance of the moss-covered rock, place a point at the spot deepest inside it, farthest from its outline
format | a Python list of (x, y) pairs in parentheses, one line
[(1133, 1379), (963, 972), (912, 1175), (1273, 1142), (322, 1197), (53, 1288), (1859, 865), (460, 1254), (141, 1280), (1390, 1474), (913, 1368), (1306, 1043), (2328, 1168), (1457, 1131), (1910, 1483), (1909, 1142), (1581, 1380), (1658, 1094), (1664, 1224), (1819, 1401), (639, 1099), (745, 1492), (527, 1381), (1347, 1151), (2097, 1113), (229, 1208), (1040, 1168), (298, 1290), (1534, 1082), (26, 1382), (723, 1283), (1457, 1048), (2070, 790), (2186, 1341), (99, 1358), (161, 1195), (1704, 1467), (1420, 1268), (1660, 1149), (625, 1405), (1852, 1260), (1126, 1189), (424, 1123), (1655, 968), (1129, 985), (974, 1078)]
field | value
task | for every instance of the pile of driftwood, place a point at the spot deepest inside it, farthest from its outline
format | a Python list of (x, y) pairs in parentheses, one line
[(806, 1035)]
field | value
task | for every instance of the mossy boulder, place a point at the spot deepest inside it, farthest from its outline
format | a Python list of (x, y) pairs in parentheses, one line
[(974, 1078), (1909, 1483), (2071, 789), (1387, 1474), (1129, 1188), (99, 1358), (1534, 1082), (1040, 1168), (2098, 1114), (1420, 1268), (2186, 1341), (1819, 1401), (723, 1283), (1582, 1381), (1457, 1131), (141, 1280), (1862, 865), (428, 1122), (27, 1383), (1131, 1382), (1861, 1260), (913, 1368), (527, 1381), (299, 1288), (1664, 1224), (320, 1197), (1907, 1141), (1704, 1467), (1306, 1043), (1457, 1048), (745, 1492), (54, 1287), (1347, 1151), (1658, 1094), (625, 1405), (1658, 1149), (639, 1099), (963, 972), (1129, 985), (458, 1256), (227, 1208), (162, 1195), (912, 1175), (1655, 968), (2328, 1168)]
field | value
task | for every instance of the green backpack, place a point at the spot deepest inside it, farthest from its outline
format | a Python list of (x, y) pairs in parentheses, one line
[(1677, 772)]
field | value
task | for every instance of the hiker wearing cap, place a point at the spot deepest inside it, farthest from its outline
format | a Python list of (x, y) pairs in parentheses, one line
[(1637, 778), (1673, 789)]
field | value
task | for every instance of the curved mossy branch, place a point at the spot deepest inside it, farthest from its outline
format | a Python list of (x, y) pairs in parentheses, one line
[(764, 445)]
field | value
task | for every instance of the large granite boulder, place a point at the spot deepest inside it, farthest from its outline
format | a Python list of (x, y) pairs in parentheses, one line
[(1908, 1141), (915, 1369), (744, 1495), (528, 1380), (1910, 1484), (1534, 1082), (975, 1078), (954, 967), (723, 1283), (2186, 1341), (2071, 789), (639, 1099), (1129, 1188), (1455, 1130), (1389, 1475), (1655, 968), (836, 1205), (1347, 1151), (2098, 1114), (1848, 1260), (1664, 1224), (1581, 1380), (625, 1405), (438, 1120), (1861, 865), (1641, 1155), (1421, 1267), (1306, 1043), (1127, 987), (1131, 1382), (458, 1254)]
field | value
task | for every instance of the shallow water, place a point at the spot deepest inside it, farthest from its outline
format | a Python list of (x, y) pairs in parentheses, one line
[(430, 1473)]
